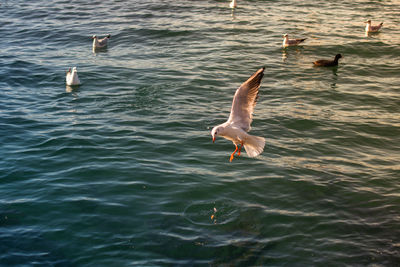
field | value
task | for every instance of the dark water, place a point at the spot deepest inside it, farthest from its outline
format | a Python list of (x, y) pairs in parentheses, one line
[(122, 170)]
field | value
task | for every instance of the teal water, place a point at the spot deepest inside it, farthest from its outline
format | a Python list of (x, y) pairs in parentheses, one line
[(122, 170)]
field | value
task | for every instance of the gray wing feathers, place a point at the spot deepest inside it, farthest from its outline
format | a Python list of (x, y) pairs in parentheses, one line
[(244, 101), (296, 41)]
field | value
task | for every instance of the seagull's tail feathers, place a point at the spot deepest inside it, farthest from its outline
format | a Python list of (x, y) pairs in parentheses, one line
[(254, 145), (381, 24)]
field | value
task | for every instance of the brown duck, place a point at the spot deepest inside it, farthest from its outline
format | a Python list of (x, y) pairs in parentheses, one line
[(328, 63)]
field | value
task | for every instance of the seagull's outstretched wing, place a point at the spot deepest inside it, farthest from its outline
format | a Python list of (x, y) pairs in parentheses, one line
[(244, 101)]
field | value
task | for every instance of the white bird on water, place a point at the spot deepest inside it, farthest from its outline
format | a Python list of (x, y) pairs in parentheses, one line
[(233, 4), (238, 123), (100, 43), (291, 42), (72, 77), (370, 28)]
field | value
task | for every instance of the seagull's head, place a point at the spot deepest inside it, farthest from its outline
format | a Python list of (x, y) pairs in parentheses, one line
[(368, 21), (286, 35), (217, 130), (94, 36)]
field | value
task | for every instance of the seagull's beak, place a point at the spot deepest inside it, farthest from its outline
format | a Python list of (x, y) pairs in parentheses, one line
[(213, 139)]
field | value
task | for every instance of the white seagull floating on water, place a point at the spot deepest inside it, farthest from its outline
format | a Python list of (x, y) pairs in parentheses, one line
[(238, 124), (99, 43), (291, 42), (72, 77), (370, 28)]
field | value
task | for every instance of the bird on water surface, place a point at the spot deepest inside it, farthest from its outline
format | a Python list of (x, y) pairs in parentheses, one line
[(100, 43), (291, 42), (72, 77), (238, 123), (328, 63), (370, 28)]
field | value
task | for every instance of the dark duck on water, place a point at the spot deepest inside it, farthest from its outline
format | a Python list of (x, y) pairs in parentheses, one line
[(328, 63)]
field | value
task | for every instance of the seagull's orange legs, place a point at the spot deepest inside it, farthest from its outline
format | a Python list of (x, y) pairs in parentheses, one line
[(233, 153), (241, 145), (240, 149)]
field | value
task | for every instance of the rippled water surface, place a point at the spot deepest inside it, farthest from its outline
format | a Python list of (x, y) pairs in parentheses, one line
[(122, 170)]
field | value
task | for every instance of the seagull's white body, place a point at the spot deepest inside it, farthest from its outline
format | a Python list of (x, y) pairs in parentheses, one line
[(370, 28), (233, 4), (291, 42), (99, 43), (238, 124), (72, 77)]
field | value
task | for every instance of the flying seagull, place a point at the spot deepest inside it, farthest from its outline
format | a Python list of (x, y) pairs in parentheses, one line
[(238, 123)]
